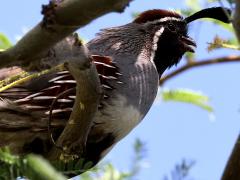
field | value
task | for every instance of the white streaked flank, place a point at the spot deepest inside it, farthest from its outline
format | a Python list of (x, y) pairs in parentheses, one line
[(33, 95), (72, 97), (64, 100), (65, 81), (104, 64), (107, 77), (55, 111), (106, 86), (58, 77), (44, 97)]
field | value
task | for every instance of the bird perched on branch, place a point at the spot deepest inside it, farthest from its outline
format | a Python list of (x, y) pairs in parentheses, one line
[(129, 59)]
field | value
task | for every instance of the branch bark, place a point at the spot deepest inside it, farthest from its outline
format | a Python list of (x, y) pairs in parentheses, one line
[(88, 92), (194, 64), (236, 19), (44, 47), (231, 171), (60, 20)]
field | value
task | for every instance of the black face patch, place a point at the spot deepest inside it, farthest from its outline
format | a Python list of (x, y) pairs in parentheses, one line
[(169, 46)]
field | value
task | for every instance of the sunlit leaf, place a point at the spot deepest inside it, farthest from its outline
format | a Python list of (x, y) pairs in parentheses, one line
[(219, 42), (190, 57), (194, 4), (225, 26), (135, 14), (211, 1), (6, 157), (33, 167), (4, 42), (231, 1), (192, 7), (187, 96), (233, 41), (40, 169)]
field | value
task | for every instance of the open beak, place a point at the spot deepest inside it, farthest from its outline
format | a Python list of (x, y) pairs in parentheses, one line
[(188, 43)]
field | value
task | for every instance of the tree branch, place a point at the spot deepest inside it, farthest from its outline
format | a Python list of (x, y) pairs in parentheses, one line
[(231, 171), (60, 19), (44, 47), (236, 18), (194, 64), (88, 92)]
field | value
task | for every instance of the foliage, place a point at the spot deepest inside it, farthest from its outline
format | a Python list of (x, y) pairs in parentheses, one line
[(40, 169), (219, 42), (4, 42), (181, 171), (10, 165), (23, 77), (35, 167), (31, 166), (106, 171), (187, 96)]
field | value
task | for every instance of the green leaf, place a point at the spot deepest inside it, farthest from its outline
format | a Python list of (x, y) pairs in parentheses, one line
[(211, 1), (225, 26), (194, 5), (218, 42), (135, 15), (11, 165), (233, 41), (6, 157), (4, 42), (187, 96), (40, 169), (231, 1)]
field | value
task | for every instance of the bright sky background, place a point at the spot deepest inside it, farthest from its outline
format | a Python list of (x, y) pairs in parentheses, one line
[(172, 131)]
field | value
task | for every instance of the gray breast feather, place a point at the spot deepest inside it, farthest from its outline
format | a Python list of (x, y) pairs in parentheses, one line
[(130, 101)]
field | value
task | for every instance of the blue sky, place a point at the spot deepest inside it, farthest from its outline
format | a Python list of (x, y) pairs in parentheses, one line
[(172, 131)]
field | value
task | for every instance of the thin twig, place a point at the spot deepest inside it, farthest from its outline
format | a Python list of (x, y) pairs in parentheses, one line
[(88, 92), (27, 78), (226, 59), (50, 116)]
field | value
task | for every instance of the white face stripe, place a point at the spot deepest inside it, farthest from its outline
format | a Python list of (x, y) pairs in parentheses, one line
[(155, 41), (164, 20), (159, 32)]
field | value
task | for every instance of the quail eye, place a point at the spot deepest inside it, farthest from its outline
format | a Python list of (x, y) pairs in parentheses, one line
[(171, 27)]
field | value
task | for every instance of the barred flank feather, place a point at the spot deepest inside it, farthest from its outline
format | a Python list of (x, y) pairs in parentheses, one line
[(40, 99)]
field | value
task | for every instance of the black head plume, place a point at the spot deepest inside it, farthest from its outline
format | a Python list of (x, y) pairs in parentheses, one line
[(218, 13)]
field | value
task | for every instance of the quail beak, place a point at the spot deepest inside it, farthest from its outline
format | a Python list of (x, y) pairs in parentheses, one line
[(188, 43)]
